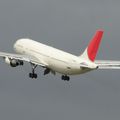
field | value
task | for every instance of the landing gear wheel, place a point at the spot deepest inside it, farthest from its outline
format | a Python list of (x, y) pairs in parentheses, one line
[(31, 75), (21, 63), (62, 77), (65, 78), (35, 76), (68, 78)]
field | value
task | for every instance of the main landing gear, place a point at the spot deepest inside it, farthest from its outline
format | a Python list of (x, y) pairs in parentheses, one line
[(47, 71), (65, 78), (33, 74)]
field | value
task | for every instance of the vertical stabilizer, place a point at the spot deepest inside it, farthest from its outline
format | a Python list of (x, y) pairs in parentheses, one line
[(91, 51)]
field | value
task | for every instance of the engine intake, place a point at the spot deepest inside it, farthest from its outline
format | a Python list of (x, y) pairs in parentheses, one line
[(13, 62)]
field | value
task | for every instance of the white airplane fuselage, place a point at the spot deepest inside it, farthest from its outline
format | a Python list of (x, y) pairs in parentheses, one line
[(57, 60)]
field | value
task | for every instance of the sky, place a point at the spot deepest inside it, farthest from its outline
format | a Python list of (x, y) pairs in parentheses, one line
[(68, 25)]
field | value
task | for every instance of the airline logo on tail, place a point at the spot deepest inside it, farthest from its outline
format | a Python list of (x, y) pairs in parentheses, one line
[(91, 51)]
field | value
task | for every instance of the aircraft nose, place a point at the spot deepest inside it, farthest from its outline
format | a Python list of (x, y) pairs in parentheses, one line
[(14, 46)]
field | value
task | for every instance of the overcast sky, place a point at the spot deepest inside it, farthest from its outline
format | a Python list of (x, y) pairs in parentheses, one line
[(68, 25)]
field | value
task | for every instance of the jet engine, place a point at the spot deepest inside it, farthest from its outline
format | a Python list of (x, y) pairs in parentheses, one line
[(13, 62)]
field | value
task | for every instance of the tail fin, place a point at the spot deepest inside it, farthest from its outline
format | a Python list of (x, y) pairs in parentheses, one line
[(92, 49)]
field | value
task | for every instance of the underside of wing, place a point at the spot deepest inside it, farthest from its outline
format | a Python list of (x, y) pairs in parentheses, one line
[(26, 58), (108, 64)]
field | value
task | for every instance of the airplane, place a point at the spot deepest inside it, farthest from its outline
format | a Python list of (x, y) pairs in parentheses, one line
[(57, 61)]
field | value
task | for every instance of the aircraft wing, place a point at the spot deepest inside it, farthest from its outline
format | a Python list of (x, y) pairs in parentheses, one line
[(26, 58), (108, 64)]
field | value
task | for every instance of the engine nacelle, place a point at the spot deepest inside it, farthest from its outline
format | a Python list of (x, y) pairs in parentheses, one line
[(7, 60), (13, 62)]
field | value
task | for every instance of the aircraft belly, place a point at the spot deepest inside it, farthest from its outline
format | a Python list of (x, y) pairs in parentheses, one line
[(66, 71), (65, 68)]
